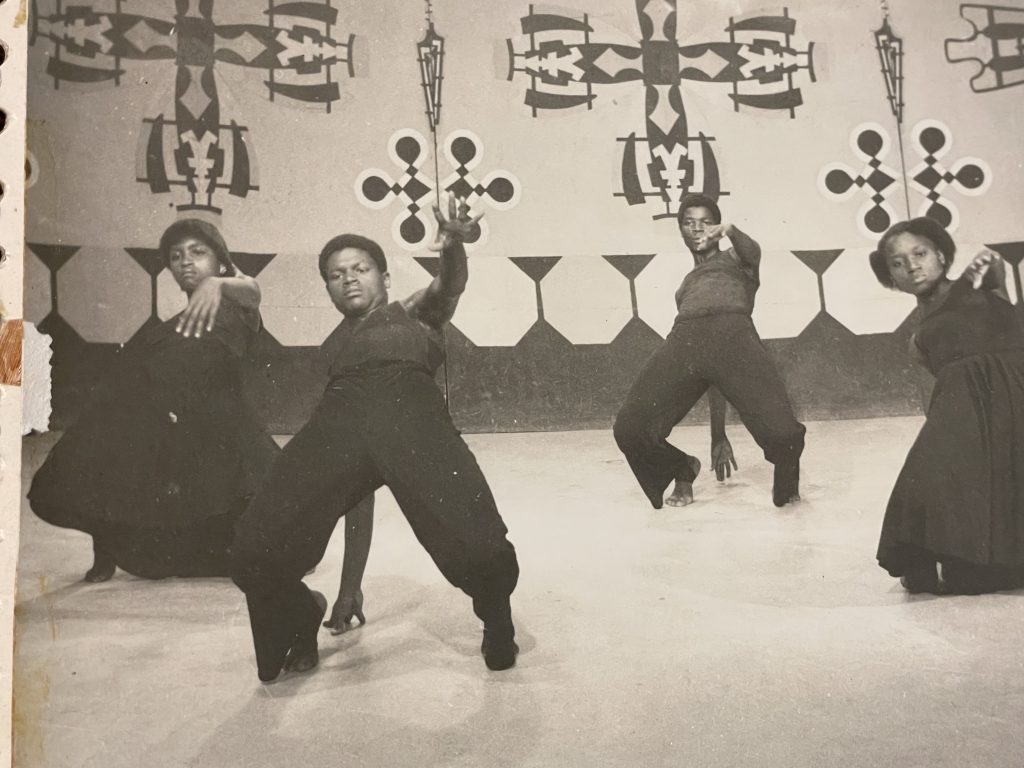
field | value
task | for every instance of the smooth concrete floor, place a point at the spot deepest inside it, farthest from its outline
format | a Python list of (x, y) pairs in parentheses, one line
[(725, 634)]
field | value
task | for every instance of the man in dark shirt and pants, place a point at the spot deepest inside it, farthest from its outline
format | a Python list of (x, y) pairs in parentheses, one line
[(713, 344)]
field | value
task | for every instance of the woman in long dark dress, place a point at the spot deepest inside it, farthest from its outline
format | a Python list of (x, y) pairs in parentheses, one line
[(959, 500), (162, 462)]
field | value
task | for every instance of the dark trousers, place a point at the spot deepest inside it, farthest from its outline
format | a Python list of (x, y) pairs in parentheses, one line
[(387, 426), (723, 351)]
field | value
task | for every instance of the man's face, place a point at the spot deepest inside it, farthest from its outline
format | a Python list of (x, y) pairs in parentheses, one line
[(355, 283), (692, 225)]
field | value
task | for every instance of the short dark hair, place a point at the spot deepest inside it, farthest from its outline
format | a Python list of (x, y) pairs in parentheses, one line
[(698, 200), (922, 226), (200, 230), (342, 242)]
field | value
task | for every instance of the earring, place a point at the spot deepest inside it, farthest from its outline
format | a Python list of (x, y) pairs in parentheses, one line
[(223, 270)]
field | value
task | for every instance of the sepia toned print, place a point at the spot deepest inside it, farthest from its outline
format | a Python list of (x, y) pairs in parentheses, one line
[(381, 333)]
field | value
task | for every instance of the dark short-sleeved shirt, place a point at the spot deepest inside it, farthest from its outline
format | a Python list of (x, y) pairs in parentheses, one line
[(721, 284), (388, 334)]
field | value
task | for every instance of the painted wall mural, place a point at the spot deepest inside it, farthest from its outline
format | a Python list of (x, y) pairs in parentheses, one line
[(413, 226), (930, 178), (876, 179), (565, 66), (198, 151), (570, 289), (543, 357), (971, 176), (995, 45)]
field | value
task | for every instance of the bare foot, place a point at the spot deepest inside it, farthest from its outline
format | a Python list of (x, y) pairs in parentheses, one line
[(682, 494)]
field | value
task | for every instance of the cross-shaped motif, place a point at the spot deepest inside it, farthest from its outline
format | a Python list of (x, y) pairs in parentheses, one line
[(969, 176), (295, 48), (564, 65), (876, 180), (932, 140), (409, 150)]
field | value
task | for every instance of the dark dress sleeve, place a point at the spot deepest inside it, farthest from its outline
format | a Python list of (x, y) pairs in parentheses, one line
[(183, 372)]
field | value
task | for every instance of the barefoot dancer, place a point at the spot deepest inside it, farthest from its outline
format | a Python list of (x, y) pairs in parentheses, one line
[(713, 344), (959, 499), (382, 421)]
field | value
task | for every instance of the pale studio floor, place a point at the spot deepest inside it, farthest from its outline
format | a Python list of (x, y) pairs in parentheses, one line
[(726, 634)]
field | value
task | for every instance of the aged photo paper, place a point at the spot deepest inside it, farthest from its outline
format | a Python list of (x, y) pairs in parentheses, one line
[(678, 444)]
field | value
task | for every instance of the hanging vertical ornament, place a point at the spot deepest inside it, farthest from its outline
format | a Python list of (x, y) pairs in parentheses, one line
[(890, 56), (430, 52)]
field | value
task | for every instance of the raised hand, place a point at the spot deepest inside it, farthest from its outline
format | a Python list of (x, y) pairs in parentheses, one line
[(986, 260), (722, 458), (458, 227), (201, 312)]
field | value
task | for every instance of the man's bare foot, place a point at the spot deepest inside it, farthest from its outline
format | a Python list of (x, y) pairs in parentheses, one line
[(682, 494)]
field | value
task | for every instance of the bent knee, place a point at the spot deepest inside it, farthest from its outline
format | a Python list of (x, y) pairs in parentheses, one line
[(250, 567), (627, 429), (633, 429)]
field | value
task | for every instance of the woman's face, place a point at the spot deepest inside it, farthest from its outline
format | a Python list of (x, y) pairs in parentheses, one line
[(915, 264), (191, 261)]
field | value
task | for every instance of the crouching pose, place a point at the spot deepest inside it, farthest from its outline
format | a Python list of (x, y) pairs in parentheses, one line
[(168, 452), (713, 347), (959, 499), (382, 421)]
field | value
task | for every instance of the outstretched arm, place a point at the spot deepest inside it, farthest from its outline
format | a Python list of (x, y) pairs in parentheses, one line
[(435, 304), (746, 248), (358, 534), (988, 272), (204, 303), (721, 449)]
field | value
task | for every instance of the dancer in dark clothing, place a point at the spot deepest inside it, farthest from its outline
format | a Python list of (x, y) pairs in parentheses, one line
[(713, 344), (959, 499), (382, 421), (163, 460)]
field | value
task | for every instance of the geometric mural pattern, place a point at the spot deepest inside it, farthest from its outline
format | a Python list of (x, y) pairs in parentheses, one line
[(566, 61), (971, 176), (414, 189), (995, 46), (874, 179), (526, 349), (195, 149), (508, 296), (129, 289), (931, 178)]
